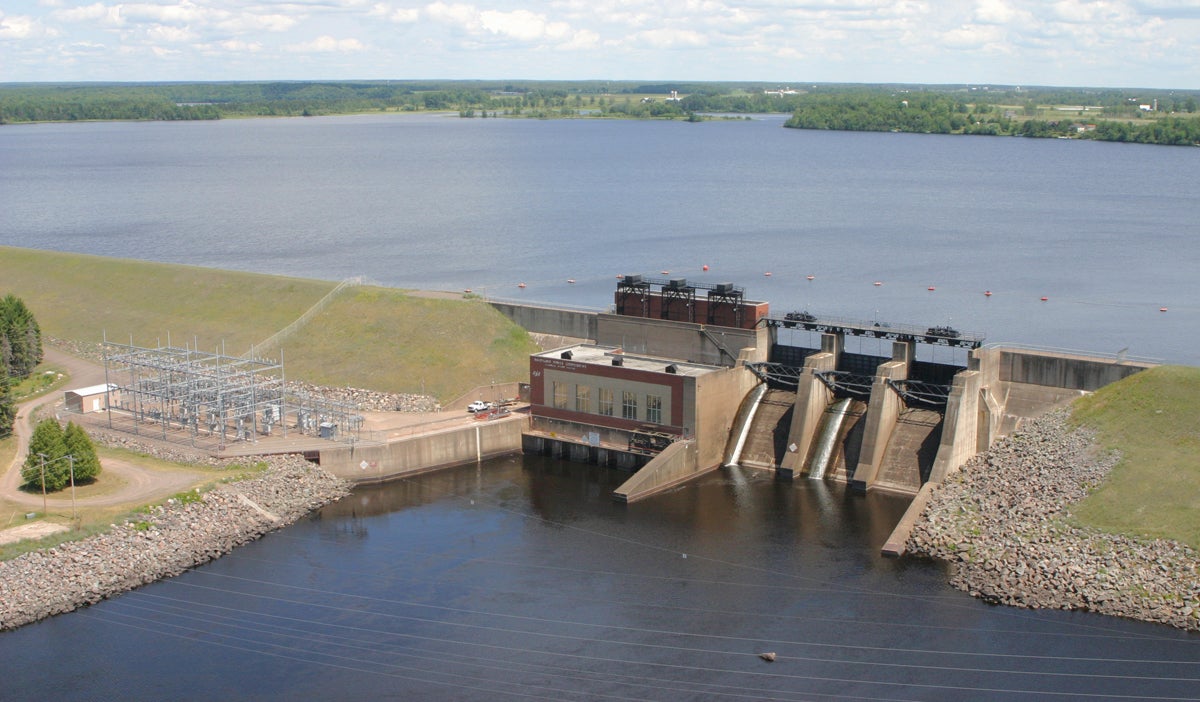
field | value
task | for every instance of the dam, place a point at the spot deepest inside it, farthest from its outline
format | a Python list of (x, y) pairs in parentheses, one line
[(732, 386), (674, 380)]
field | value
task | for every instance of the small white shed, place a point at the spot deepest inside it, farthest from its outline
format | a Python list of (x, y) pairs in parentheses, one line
[(90, 399)]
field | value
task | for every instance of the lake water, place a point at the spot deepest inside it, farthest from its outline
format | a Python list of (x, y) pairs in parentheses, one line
[(1107, 232), (520, 578)]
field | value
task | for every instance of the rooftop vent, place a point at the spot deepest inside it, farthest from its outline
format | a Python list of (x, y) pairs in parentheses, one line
[(566, 354)]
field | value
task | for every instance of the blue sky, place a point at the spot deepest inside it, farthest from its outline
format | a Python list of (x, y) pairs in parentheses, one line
[(1115, 43)]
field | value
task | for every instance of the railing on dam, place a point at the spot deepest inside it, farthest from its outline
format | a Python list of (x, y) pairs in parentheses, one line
[(938, 335)]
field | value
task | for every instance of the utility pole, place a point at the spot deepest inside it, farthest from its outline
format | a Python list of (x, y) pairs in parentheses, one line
[(71, 460), (42, 459)]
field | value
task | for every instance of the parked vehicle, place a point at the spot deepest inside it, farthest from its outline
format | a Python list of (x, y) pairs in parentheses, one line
[(479, 406)]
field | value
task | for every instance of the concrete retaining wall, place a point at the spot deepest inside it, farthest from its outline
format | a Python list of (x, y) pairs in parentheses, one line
[(550, 320), (719, 396), (812, 397), (1059, 370), (960, 429), (678, 463), (417, 454), (883, 409)]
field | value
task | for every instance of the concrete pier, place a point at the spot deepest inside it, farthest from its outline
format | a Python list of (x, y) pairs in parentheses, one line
[(883, 410)]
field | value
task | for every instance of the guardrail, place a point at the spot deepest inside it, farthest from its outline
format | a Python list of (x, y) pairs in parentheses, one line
[(1118, 356), (548, 305), (938, 334)]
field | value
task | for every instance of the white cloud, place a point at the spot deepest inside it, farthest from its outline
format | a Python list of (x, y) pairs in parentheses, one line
[(669, 38), (584, 39), (522, 25), (96, 13), (236, 45), (399, 15), (185, 12), (24, 27), (249, 23), (972, 37), (994, 12), (327, 44)]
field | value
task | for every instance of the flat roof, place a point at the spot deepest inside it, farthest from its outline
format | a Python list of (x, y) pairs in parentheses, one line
[(603, 356), (94, 389)]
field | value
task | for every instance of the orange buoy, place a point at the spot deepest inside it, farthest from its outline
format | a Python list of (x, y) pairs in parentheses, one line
[(987, 293), (1162, 309), (704, 267), (520, 285), (931, 288), (878, 283), (1044, 298), (811, 277)]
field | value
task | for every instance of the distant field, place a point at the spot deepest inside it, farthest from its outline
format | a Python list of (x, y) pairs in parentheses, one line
[(1152, 419), (375, 338)]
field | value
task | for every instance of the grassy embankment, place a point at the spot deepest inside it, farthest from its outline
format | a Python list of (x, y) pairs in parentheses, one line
[(1153, 420), (368, 337)]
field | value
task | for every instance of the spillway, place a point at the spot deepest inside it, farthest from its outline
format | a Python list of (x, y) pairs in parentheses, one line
[(745, 421), (834, 417)]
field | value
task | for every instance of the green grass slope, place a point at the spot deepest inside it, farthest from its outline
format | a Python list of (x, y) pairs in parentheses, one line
[(1153, 419), (81, 297), (375, 338), (385, 339)]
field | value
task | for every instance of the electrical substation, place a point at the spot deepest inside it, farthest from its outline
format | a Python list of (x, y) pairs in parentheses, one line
[(213, 400)]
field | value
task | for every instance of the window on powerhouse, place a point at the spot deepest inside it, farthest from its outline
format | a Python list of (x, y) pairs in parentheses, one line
[(606, 402), (654, 409), (583, 398), (629, 405)]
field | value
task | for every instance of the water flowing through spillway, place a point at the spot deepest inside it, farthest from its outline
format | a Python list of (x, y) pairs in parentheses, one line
[(833, 427), (747, 420)]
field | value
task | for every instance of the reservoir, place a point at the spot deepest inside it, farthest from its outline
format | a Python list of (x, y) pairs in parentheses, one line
[(1104, 231), (519, 578)]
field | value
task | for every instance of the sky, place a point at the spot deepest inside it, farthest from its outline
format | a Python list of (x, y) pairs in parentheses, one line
[(1097, 43)]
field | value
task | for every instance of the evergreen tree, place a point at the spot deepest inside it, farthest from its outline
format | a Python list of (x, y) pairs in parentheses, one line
[(21, 348), (46, 446), (79, 445), (8, 408)]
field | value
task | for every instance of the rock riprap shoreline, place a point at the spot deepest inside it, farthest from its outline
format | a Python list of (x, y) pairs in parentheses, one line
[(1003, 522), (163, 542)]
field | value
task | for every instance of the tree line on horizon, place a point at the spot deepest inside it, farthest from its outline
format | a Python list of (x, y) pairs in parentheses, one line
[(1119, 117), (948, 109)]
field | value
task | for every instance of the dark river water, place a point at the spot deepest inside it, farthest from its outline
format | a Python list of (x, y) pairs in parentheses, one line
[(520, 578)]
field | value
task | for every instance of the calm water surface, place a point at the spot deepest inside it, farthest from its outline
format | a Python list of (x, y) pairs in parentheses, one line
[(519, 578), (1107, 232)]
